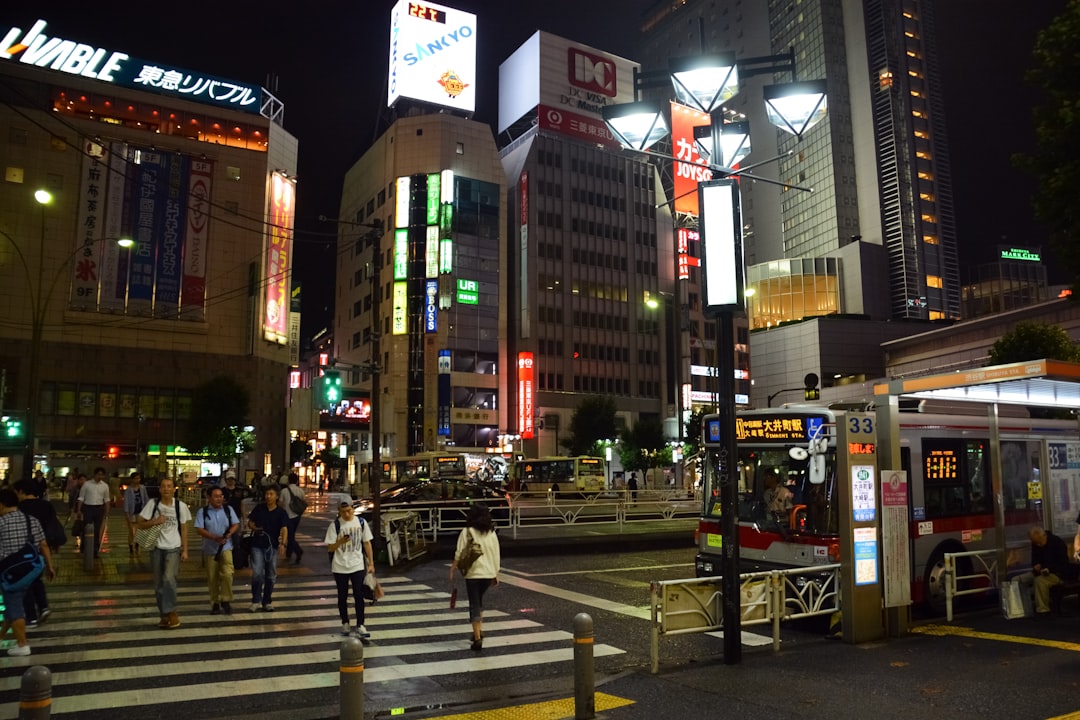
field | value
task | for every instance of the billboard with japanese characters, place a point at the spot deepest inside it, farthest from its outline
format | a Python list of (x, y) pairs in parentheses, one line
[(282, 212), (432, 55), (159, 202), (35, 46), (689, 167), (568, 85)]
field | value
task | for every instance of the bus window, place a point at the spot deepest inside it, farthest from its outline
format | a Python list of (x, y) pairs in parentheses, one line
[(954, 477), (978, 484)]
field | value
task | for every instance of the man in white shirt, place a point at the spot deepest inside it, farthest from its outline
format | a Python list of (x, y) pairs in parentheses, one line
[(93, 506)]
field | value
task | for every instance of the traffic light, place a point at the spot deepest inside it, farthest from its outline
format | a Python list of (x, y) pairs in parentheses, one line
[(13, 432), (114, 452), (329, 389), (810, 388)]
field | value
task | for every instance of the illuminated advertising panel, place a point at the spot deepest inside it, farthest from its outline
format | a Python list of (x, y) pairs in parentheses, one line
[(468, 292), (434, 198), (401, 254), (401, 207), (431, 252), (526, 407), (722, 256), (567, 84), (196, 240), (400, 324), (432, 55), (684, 237), (35, 47), (431, 306), (687, 173), (279, 258), (445, 364)]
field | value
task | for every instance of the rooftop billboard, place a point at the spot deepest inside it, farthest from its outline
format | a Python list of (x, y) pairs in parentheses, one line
[(432, 55), (567, 83)]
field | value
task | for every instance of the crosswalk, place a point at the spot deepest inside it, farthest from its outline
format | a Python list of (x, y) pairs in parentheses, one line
[(105, 651)]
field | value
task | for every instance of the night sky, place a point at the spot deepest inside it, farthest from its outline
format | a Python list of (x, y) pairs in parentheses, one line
[(328, 67)]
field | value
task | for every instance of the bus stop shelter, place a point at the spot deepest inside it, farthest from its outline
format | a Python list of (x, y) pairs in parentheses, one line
[(1035, 383)]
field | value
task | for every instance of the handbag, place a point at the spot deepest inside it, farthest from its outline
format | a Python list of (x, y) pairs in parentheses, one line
[(22, 567), (470, 554), (241, 555), (372, 589), (147, 538)]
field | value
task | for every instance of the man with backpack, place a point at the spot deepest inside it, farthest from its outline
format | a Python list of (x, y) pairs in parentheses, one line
[(37, 602), (295, 503), (217, 523)]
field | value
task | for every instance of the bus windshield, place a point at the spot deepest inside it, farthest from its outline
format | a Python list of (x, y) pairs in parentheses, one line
[(775, 492)]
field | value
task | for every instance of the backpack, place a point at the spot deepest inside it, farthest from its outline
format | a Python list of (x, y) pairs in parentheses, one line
[(297, 503), (54, 533), (229, 514)]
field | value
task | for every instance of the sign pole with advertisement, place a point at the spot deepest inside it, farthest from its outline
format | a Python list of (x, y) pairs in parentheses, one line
[(857, 471)]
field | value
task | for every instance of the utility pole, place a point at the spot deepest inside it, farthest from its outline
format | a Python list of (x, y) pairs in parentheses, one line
[(375, 476)]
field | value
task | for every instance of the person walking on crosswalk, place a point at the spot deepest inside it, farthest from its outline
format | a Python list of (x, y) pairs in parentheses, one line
[(484, 571), (348, 538), (271, 526), (216, 523), (170, 548)]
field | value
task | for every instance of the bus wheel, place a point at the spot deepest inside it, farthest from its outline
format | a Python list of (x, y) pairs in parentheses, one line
[(934, 578)]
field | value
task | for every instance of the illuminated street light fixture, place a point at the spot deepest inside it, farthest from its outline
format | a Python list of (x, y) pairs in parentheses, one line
[(734, 142), (638, 125), (705, 82), (796, 107)]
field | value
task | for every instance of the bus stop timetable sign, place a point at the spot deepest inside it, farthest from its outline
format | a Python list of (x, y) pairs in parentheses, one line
[(863, 497)]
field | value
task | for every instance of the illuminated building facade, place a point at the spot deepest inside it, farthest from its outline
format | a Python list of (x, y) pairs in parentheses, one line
[(196, 170), (435, 183)]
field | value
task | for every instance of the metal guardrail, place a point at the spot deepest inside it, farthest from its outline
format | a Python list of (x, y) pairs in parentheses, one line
[(982, 578), (695, 605)]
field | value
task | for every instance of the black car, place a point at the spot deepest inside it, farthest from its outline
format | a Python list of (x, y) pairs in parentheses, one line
[(428, 495)]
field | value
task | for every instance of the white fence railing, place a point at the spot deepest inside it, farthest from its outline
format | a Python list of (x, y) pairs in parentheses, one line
[(695, 605), (983, 576)]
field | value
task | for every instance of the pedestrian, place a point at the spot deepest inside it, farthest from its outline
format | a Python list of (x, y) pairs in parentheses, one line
[(71, 490), (234, 494), (349, 540), (42, 485), (631, 485), (13, 525), (170, 549), (268, 481), (116, 496), (288, 493), (93, 507), (1050, 566), (37, 602), (136, 496), (217, 523), (484, 572), (270, 524)]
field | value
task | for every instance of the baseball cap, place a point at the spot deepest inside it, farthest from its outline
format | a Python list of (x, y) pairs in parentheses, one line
[(230, 473), (344, 503)]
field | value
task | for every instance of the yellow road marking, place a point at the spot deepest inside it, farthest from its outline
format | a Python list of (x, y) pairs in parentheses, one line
[(942, 630), (549, 710)]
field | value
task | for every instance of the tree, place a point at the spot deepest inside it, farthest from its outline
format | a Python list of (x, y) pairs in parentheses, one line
[(593, 421), (1034, 341), (643, 446), (219, 413), (1056, 160)]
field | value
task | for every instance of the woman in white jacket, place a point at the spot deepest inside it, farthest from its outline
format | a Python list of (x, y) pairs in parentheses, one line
[(484, 572)]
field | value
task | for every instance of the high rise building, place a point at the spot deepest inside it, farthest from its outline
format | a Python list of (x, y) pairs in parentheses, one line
[(427, 291), (876, 236), (106, 344), (591, 228)]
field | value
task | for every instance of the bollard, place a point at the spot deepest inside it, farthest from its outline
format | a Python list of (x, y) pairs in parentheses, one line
[(35, 694), (352, 679), (584, 679), (88, 547)]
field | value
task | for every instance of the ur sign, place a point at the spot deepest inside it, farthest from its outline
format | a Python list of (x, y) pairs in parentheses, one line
[(526, 404)]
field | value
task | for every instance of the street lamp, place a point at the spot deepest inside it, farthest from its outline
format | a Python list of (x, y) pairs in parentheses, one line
[(705, 83)]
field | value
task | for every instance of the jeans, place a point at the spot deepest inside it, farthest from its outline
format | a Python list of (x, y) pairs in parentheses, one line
[(219, 576), (476, 589), (343, 580), (166, 565), (263, 574), (35, 600), (293, 547)]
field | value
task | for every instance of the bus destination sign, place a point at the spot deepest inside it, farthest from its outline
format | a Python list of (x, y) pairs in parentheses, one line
[(780, 428)]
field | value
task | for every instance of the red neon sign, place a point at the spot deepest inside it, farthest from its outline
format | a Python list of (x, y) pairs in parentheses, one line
[(526, 405)]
